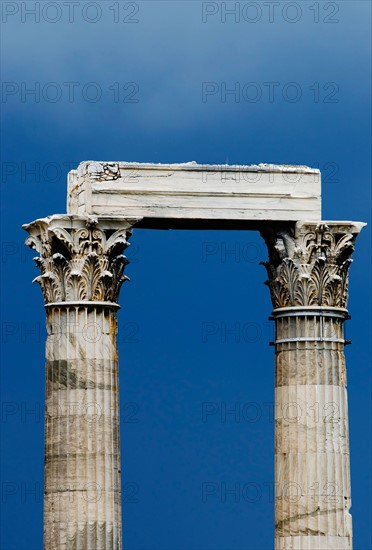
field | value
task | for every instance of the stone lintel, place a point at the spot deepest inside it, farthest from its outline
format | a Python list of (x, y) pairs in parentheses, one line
[(167, 195)]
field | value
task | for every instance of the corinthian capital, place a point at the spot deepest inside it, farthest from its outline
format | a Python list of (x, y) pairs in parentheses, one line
[(309, 262), (81, 258)]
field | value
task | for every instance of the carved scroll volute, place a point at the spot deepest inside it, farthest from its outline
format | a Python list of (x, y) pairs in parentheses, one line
[(309, 263), (81, 259)]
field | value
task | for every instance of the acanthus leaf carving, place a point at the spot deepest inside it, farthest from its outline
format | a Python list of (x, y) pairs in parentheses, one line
[(79, 261), (309, 263)]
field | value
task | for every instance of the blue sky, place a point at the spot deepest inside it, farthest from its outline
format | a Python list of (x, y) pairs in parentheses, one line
[(129, 86)]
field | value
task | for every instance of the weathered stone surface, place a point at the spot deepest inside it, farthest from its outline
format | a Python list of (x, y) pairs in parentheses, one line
[(81, 262), (82, 268), (194, 191), (80, 259), (308, 279), (321, 542), (309, 262)]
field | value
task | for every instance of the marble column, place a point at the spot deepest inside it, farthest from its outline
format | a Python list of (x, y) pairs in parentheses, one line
[(308, 280), (81, 262)]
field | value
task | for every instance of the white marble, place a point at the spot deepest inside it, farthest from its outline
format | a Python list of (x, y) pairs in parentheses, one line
[(308, 279), (81, 271), (194, 191), (82, 268)]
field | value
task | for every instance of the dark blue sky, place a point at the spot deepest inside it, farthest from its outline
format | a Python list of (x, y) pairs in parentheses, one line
[(124, 81)]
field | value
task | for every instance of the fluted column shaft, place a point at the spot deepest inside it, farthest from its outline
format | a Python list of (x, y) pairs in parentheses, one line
[(312, 471), (82, 265), (82, 506), (308, 279)]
